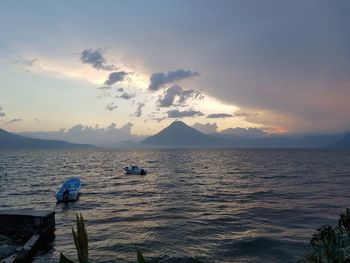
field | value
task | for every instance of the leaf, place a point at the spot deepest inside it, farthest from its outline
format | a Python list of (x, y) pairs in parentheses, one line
[(64, 259), (81, 240), (77, 244), (140, 258)]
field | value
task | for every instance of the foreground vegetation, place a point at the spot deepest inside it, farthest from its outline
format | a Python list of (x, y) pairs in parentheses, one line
[(330, 244), (327, 245), (82, 244)]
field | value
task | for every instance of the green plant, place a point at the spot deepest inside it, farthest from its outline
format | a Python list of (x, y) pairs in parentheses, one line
[(64, 259), (140, 258), (81, 244), (80, 241), (330, 244)]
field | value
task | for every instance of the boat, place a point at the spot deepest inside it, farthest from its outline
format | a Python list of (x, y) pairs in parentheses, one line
[(69, 191), (134, 169)]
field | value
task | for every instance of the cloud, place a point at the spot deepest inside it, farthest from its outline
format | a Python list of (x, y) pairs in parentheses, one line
[(207, 128), (274, 58), (187, 94), (2, 114), (115, 77), (155, 116), (243, 114), (104, 95), (13, 121), (169, 96), (138, 111), (105, 87), (157, 80), (126, 96), (219, 116), (111, 106), (26, 62), (104, 137), (183, 114), (245, 132), (158, 119), (95, 59), (176, 92)]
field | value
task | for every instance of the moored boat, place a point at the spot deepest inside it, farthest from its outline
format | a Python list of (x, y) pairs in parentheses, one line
[(69, 191), (134, 169)]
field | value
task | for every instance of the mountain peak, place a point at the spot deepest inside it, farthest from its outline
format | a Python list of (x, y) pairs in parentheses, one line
[(179, 134), (178, 123)]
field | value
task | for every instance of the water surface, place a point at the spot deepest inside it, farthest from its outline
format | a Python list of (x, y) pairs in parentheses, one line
[(209, 205)]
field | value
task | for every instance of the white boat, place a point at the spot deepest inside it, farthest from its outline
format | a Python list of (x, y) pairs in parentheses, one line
[(134, 169), (69, 191)]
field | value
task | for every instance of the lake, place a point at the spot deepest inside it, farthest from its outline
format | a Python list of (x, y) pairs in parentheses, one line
[(208, 205)]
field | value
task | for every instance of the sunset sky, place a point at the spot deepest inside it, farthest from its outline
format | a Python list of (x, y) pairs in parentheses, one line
[(281, 66)]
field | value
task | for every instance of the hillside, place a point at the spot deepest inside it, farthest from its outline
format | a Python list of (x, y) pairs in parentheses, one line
[(13, 141)]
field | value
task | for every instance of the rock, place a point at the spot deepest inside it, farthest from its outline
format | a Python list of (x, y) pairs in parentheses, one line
[(7, 250), (4, 240)]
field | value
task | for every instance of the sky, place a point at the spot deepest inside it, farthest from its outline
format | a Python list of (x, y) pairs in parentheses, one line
[(133, 67)]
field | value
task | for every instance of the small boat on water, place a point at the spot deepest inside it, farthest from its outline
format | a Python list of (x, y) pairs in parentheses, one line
[(69, 190), (134, 169)]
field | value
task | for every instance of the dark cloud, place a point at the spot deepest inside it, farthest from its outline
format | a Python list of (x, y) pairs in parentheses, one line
[(219, 116), (95, 59), (183, 114), (126, 96), (245, 132), (13, 121), (111, 107), (155, 116), (115, 77), (207, 128), (138, 111), (26, 62), (242, 114), (169, 96), (176, 92), (294, 66), (2, 114), (158, 119), (187, 94), (157, 80)]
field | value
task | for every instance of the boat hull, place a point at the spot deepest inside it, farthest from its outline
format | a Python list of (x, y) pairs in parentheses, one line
[(69, 191), (71, 197), (141, 172)]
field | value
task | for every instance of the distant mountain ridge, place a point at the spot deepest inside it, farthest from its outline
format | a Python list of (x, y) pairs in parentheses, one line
[(344, 142), (12, 141), (180, 135)]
